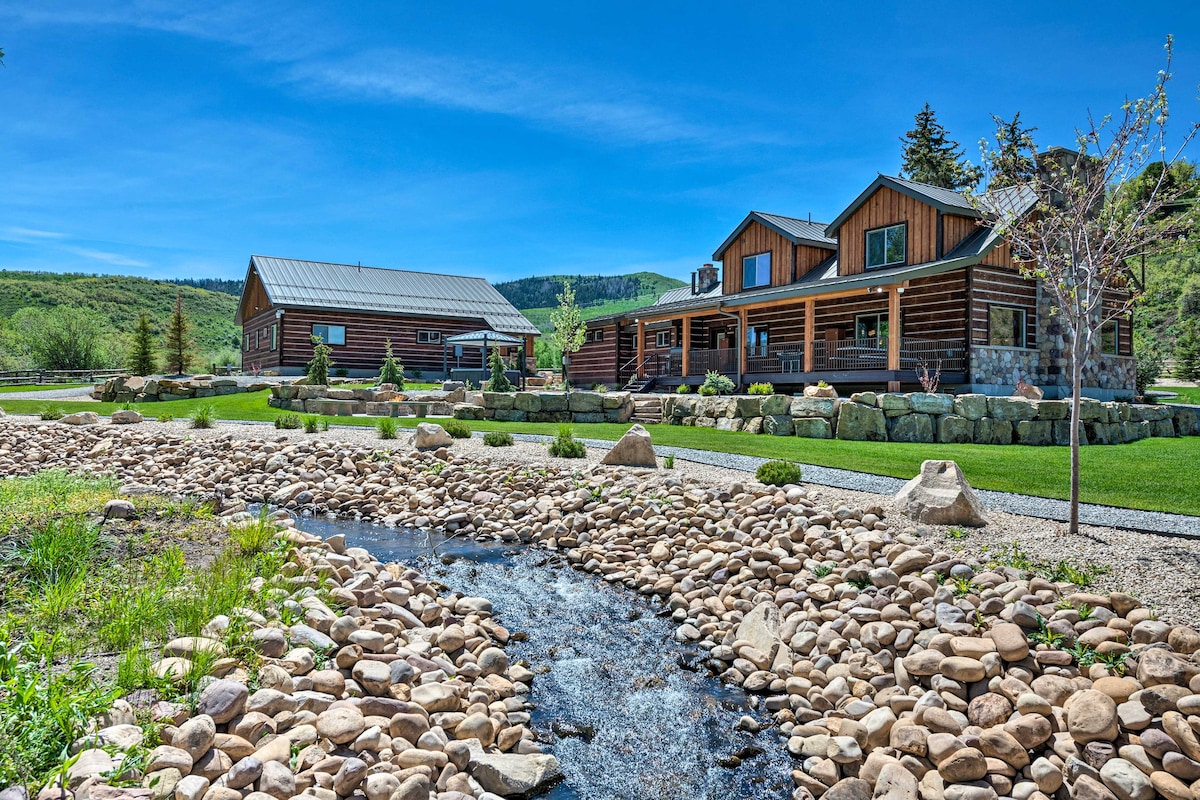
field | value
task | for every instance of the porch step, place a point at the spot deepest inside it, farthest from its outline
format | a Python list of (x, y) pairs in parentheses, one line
[(639, 385), (647, 410)]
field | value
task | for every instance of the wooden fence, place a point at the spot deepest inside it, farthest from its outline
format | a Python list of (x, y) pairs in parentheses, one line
[(46, 376)]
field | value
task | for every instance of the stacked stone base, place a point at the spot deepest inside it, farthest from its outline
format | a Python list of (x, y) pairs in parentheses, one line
[(334, 402), (136, 389), (929, 418), (581, 407)]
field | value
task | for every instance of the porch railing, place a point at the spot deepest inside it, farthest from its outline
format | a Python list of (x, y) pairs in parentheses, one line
[(777, 357), (948, 355), (723, 360)]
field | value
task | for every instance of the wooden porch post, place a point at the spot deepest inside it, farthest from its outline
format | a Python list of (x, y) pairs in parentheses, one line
[(810, 332), (687, 345), (894, 333), (641, 346), (742, 346)]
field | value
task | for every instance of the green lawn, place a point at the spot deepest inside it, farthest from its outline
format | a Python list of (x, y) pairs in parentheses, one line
[(29, 387), (1150, 474), (1186, 394)]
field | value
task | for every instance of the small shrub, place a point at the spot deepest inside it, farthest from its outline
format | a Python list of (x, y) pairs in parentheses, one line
[(499, 381), (565, 446), (166, 417), (391, 371), (342, 372), (721, 384), (288, 422), (498, 439), (51, 413), (312, 423), (600, 388), (761, 388), (778, 473), (683, 388), (386, 427), (708, 391), (204, 417), (956, 533), (318, 367), (669, 462), (822, 385), (457, 429)]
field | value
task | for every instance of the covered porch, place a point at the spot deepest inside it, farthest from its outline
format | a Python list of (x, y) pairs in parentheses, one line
[(885, 335)]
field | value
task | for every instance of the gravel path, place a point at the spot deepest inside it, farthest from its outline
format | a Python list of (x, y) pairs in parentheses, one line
[(76, 394)]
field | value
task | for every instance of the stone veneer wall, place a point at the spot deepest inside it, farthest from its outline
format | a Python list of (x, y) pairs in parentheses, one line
[(921, 417), (582, 407)]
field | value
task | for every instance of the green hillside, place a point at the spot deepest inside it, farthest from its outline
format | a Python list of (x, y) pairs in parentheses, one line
[(1159, 319), (597, 295), (120, 299)]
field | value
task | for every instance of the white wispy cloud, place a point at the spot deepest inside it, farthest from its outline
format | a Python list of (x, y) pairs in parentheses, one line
[(112, 259), (16, 234)]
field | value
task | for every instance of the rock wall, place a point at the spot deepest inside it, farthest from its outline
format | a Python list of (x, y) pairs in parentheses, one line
[(581, 407), (136, 389), (332, 401), (921, 417)]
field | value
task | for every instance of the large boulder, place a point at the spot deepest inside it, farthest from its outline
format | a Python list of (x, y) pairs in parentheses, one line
[(633, 450), (124, 417), (81, 418), (857, 422), (940, 495), (514, 775), (431, 436)]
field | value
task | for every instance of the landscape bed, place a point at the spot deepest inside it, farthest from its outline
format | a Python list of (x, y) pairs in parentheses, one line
[(884, 660)]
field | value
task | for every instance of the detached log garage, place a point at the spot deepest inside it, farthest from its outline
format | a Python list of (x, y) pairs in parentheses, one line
[(353, 309)]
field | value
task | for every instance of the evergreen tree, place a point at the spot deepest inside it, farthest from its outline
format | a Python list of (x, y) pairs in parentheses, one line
[(392, 371), (179, 340), (499, 381), (1013, 160), (318, 367), (1187, 354), (931, 156), (142, 357)]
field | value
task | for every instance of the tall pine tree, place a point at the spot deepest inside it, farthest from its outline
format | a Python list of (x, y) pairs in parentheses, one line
[(142, 356), (1013, 159), (931, 156), (179, 340)]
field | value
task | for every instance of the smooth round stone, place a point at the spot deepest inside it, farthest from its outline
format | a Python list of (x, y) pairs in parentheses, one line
[(1092, 717), (962, 669)]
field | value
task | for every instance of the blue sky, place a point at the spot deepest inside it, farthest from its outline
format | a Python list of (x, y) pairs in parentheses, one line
[(172, 139)]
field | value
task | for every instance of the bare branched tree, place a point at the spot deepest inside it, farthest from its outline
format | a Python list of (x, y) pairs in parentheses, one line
[(1085, 227)]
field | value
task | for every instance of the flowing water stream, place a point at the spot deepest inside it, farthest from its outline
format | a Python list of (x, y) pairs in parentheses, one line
[(621, 705)]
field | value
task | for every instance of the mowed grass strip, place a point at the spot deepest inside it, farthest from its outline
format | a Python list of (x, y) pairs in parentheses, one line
[(1151, 474)]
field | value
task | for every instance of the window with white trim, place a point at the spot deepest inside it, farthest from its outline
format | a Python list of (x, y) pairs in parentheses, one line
[(596, 335), (662, 339), (1006, 326), (246, 343), (756, 271), (330, 334), (275, 336), (887, 247), (429, 337)]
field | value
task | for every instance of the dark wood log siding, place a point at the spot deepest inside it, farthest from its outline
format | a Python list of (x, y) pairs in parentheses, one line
[(783, 323), (258, 328), (597, 362), (254, 298), (954, 230), (365, 334), (933, 307), (788, 261), (887, 207), (840, 313), (672, 328), (1004, 287), (1112, 300)]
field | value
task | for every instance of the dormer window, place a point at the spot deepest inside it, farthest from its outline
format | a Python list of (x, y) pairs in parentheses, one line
[(888, 246), (756, 271)]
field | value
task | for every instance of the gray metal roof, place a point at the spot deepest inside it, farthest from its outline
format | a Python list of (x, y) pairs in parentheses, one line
[(483, 337), (945, 200), (684, 293), (292, 283), (798, 231)]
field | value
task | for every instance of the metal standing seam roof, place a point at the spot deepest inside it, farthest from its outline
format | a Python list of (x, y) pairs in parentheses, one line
[(346, 287), (944, 200), (479, 337)]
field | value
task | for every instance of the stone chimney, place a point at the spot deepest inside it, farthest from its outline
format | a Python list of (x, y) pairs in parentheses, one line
[(706, 278)]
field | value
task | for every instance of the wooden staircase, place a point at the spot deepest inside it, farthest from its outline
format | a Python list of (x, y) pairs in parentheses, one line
[(647, 409)]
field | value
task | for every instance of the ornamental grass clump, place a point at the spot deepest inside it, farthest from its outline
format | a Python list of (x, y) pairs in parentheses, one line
[(386, 427), (498, 439), (778, 473), (204, 417), (288, 422), (761, 388), (565, 445), (457, 429)]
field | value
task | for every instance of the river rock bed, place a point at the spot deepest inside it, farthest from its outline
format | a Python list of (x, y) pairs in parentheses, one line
[(891, 666)]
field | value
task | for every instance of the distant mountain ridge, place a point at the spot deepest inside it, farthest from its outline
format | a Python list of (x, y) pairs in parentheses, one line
[(542, 291)]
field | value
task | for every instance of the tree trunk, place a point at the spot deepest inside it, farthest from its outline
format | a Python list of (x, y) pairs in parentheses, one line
[(1076, 389)]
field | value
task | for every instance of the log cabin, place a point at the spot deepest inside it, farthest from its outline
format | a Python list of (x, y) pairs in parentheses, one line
[(354, 309), (906, 283)]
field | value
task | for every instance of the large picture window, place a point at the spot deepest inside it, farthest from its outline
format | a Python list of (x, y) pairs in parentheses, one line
[(756, 271), (330, 334), (887, 246), (1006, 326), (1109, 338)]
